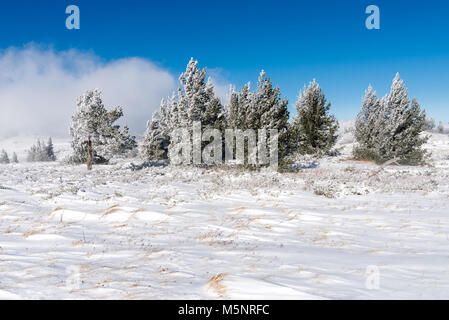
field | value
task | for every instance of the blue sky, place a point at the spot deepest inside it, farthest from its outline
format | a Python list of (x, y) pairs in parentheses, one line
[(294, 41)]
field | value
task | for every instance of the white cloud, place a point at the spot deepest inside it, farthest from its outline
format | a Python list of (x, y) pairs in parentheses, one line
[(39, 87)]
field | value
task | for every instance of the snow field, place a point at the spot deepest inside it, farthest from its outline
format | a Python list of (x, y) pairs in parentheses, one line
[(191, 233)]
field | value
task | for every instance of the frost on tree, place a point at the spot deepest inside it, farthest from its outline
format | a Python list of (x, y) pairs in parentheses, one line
[(240, 109), (367, 125), (41, 152), (92, 119), (198, 98), (195, 101), (314, 130), (156, 139), (391, 128), (262, 109), (270, 111), (49, 150)]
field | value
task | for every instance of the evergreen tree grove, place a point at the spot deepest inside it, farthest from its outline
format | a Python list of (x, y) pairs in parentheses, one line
[(391, 128), (4, 159), (314, 130), (41, 152), (194, 102)]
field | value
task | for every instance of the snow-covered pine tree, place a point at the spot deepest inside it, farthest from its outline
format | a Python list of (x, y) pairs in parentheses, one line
[(240, 109), (182, 110), (194, 85), (154, 145), (49, 150), (125, 142), (41, 152), (367, 126), (314, 130), (171, 115), (236, 112), (262, 109), (4, 159), (213, 115), (14, 158), (199, 103), (246, 109), (401, 124), (92, 119), (269, 111), (194, 102), (233, 111), (32, 154), (391, 128)]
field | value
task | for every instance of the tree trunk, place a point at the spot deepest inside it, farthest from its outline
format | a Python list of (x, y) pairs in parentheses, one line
[(89, 154)]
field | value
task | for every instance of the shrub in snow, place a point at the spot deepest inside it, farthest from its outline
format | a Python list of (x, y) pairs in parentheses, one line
[(4, 159), (314, 130), (326, 188), (92, 119), (41, 152), (390, 128)]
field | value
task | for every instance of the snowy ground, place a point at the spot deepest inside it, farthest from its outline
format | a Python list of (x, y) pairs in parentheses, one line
[(189, 233)]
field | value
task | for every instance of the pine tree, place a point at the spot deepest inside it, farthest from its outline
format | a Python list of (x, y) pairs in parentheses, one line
[(403, 123), (213, 115), (41, 152), (367, 126), (32, 154), (14, 158), (154, 145), (269, 111), (92, 119), (314, 130), (395, 128), (234, 117), (50, 151), (194, 102), (4, 159), (199, 103), (240, 110), (262, 109)]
